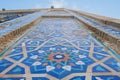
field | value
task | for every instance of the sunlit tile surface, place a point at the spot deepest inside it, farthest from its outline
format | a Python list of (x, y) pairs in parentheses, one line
[(106, 28), (59, 49)]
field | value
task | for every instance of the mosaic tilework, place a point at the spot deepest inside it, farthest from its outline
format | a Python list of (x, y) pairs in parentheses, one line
[(12, 78), (100, 68), (105, 77), (39, 78), (16, 70), (59, 49), (109, 29), (4, 64), (17, 57), (57, 61), (19, 21), (113, 64), (78, 78)]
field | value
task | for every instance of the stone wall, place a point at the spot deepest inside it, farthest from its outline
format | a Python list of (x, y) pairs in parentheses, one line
[(108, 39), (105, 20), (22, 10), (6, 39)]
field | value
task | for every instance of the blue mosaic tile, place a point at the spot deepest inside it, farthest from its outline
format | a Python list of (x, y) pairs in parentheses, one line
[(35, 52), (16, 50), (87, 60), (52, 60), (61, 75), (30, 48), (65, 52), (58, 34), (28, 61), (38, 69), (78, 78), (109, 29), (100, 50), (19, 45), (17, 78), (17, 57), (34, 42), (82, 42), (28, 37), (98, 56), (99, 68), (40, 78), (96, 44), (16, 70), (85, 48), (109, 77), (4, 64), (114, 64)]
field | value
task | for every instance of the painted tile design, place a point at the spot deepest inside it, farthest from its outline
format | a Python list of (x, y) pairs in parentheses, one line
[(106, 28), (111, 77), (78, 78), (12, 78), (59, 49), (39, 78)]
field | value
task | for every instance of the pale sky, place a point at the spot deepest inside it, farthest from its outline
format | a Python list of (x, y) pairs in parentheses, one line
[(110, 8)]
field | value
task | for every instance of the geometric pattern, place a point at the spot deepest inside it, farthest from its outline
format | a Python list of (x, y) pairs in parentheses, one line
[(40, 78), (59, 49), (4, 64), (17, 57), (111, 77), (99, 56), (106, 28), (57, 60), (12, 78), (100, 68), (114, 64), (78, 78), (16, 70)]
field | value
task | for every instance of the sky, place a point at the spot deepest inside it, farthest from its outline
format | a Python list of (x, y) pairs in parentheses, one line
[(109, 8)]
